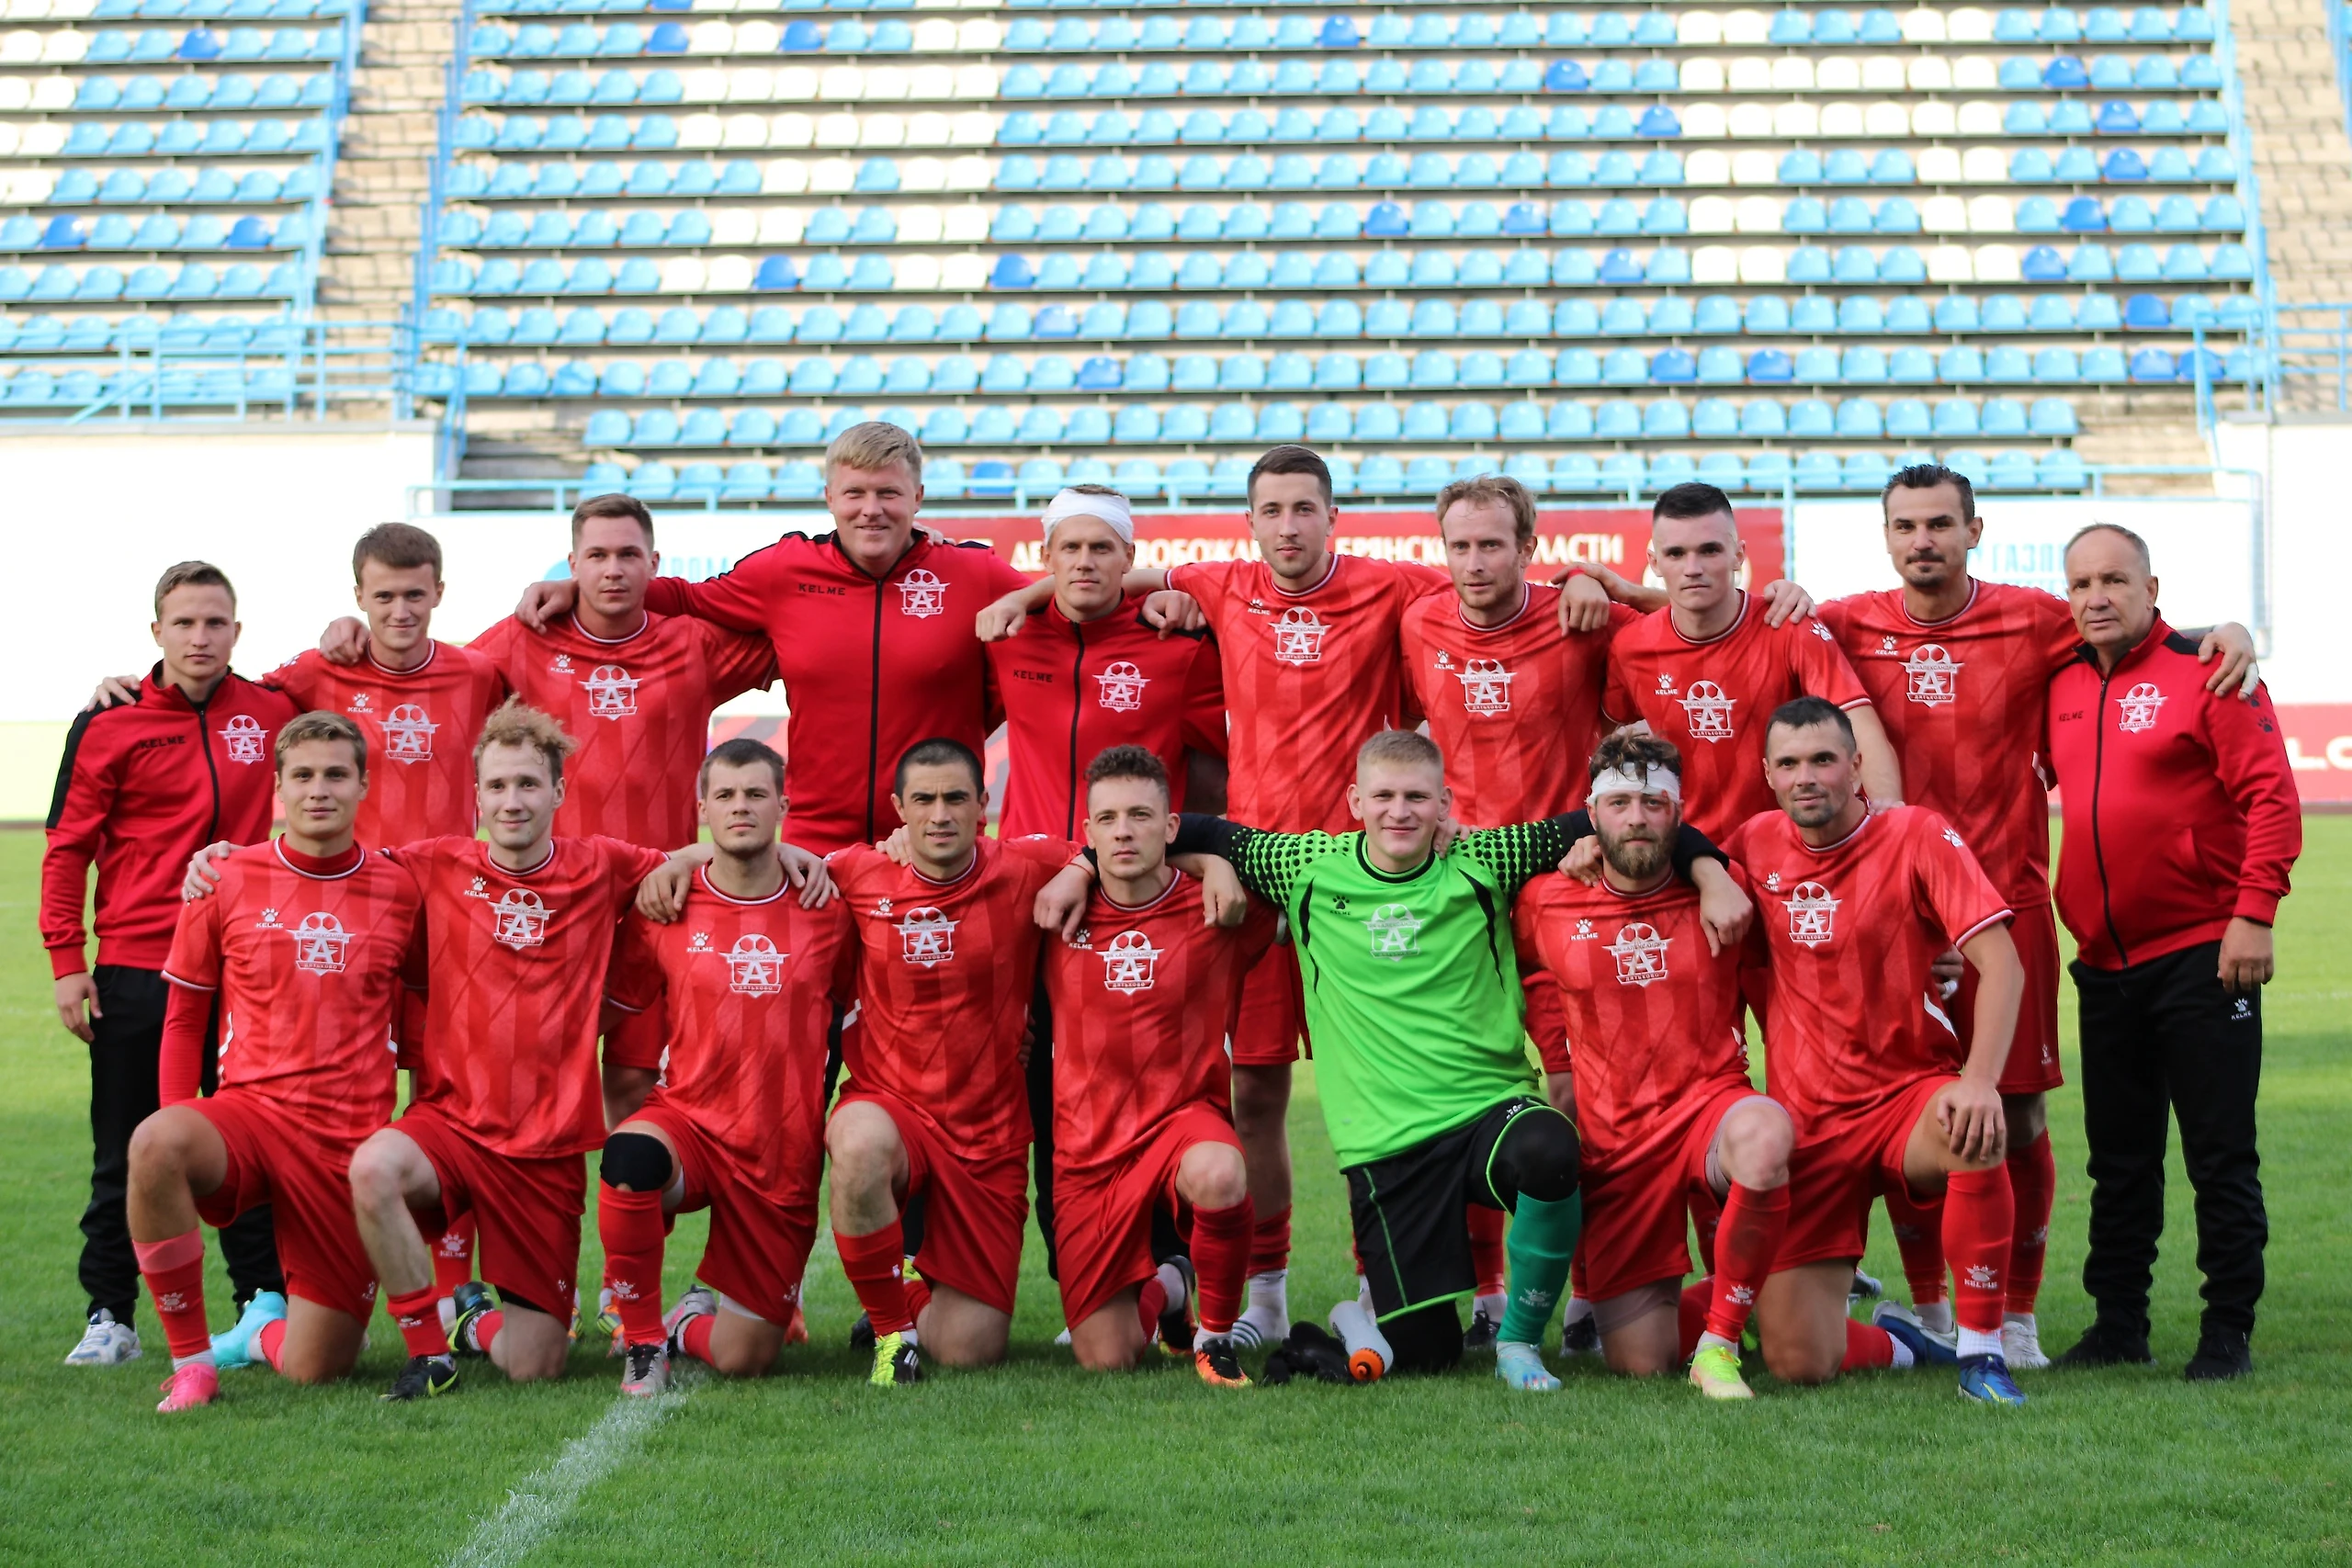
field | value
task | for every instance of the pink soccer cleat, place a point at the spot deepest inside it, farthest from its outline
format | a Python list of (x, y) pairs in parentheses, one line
[(199, 1383)]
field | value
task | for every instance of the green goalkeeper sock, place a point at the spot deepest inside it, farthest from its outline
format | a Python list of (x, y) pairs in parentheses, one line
[(1543, 1239)]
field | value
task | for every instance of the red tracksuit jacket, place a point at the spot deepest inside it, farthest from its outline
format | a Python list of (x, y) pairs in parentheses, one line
[(2180, 810), (141, 787)]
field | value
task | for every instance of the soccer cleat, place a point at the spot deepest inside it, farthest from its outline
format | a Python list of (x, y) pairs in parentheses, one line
[(1218, 1365), (472, 1302), (606, 1327), (1714, 1372), (2221, 1353), (2104, 1345), (1986, 1379), (1176, 1322), (647, 1371), (197, 1382), (105, 1343), (2021, 1344), (1480, 1335), (1521, 1366), (235, 1349), (425, 1377), (1927, 1348), (699, 1302), (1865, 1288), (1311, 1349), (895, 1361), (1580, 1336), (861, 1332)]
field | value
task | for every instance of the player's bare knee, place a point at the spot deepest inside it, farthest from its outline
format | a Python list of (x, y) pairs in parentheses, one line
[(1798, 1359), (157, 1151), (1633, 1360), (378, 1180), (747, 1359), (1756, 1140), (1213, 1176)]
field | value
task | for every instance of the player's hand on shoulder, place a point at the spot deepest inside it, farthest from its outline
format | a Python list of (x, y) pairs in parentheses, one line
[(1001, 618), (898, 847), (1784, 600), (202, 874), (1969, 1113), (1724, 908), (806, 870), (1584, 604), (661, 896), (112, 690), (2238, 666), (1583, 861), (543, 601), (1448, 830), (1173, 611), (1061, 903), (77, 993), (1224, 901), (344, 641)]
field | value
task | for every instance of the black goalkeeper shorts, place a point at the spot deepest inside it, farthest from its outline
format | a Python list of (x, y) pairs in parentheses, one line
[(1408, 1209)]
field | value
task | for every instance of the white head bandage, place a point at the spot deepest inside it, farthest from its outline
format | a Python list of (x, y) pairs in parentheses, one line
[(1651, 781), (1108, 509)]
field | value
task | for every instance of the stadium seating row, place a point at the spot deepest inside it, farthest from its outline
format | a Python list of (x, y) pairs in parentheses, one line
[(48, 334), (151, 46), (190, 280), (190, 92), (58, 392), (165, 139), (155, 232), (169, 185), (230, 10)]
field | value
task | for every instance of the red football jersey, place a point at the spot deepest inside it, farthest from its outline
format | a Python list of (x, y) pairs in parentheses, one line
[(1712, 699), (1516, 708), (308, 965), (1143, 1002), (639, 706), (742, 993), (514, 972), (1965, 700), (1309, 677), (1654, 1018), (1852, 929), (945, 972), (421, 726)]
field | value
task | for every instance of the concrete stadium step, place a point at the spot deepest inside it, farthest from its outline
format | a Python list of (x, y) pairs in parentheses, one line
[(384, 167), (2302, 154)]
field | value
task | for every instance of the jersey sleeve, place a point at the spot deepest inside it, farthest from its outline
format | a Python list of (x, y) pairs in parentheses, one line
[(1267, 864), (1616, 694), (1416, 580), (2054, 630), (630, 863), (737, 661), (1205, 726), (1204, 581), (195, 943), (298, 678), (1951, 883), (996, 575), (502, 644), (1042, 850), (2251, 760), (1520, 852), (1822, 667), (634, 988), (742, 598), (86, 786)]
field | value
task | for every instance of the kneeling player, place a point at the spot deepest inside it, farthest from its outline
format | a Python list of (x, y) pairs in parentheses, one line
[(1142, 1004), (739, 993), (1662, 1096), (1862, 1055), (302, 946)]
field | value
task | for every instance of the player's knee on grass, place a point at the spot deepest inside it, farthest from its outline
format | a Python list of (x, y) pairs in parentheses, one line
[(1641, 1329), (1212, 1176), (532, 1345), (1109, 1340), (1754, 1142), (957, 1331), (321, 1344), (742, 1346), (1801, 1321), (636, 1162), (1539, 1156), (1427, 1340)]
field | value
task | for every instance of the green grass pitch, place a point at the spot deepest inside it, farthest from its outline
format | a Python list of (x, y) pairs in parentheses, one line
[(1036, 1462)]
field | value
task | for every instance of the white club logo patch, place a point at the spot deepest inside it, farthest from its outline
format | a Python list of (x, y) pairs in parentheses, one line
[(1640, 953), (1298, 637), (244, 737), (755, 966), (1709, 711), (1129, 962), (1813, 912), (319, 943), (612, 691), (520, 918), (1931, 676), (408, 734), (927, 937), (1394, 930), (1122, 686), (921, 594), (2139, 707), (1584, 931), (1486, 686), (1952, 837)]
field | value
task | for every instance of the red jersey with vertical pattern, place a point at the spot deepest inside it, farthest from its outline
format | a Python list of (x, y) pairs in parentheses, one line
[(640, 705), (421, 726), (1143, 1002), (514, 971), (1965, 701), (743, 994), (1654, 1018), (1852, 929), (1309, 677), (1516, 708), (308, 967), (871, 666), (1712, 699), (945, 972), (1071, 688)]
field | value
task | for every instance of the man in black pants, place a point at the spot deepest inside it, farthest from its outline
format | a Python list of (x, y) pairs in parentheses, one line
[(141, 787), (2181, 825)]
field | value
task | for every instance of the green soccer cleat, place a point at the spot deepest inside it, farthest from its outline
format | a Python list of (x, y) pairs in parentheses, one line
[(425, 1377), (895, 1362), (235, 1349), (1521, 1365), (1714, 1372)]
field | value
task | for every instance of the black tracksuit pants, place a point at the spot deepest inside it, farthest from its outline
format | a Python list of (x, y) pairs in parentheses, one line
[(2163, 1040), (123, 1057)]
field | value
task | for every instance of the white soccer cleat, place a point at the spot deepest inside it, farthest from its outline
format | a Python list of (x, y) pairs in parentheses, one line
[(1520, 1366), (2021, 1344), (105, 1343)]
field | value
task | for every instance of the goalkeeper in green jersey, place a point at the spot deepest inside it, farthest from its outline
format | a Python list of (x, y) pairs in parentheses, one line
[(1413, 1007)]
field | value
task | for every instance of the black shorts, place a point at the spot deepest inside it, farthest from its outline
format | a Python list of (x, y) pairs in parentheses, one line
[(1408, 1209)]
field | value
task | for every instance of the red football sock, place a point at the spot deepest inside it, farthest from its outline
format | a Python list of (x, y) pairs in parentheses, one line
[(1918, 1232), (695, 1337), (2033, 1183), (1270, 1242), (1150, 1301), (1221, 1263), (918, 1298), (1706, 1219), (875, 1264), (1866, 1347), (271, 1343), (1691, 1313), (629, 1226), (174, 1274), (1486, 1248), (487, 1328), (418, 1313), (1979, 1214), (1745, 1244), (453, 1251)]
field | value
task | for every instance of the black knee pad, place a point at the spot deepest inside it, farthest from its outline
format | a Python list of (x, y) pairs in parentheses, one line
[(637, 1161), (1427, 1340), (1540, 1155)]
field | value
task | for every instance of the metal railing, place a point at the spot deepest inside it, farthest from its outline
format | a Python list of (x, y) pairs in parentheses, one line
[(2309, 358), (293, 369), (449, 446), (2339, 44)]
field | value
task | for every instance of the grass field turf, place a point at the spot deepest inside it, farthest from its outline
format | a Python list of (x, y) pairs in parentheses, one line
[(1036, 1462)]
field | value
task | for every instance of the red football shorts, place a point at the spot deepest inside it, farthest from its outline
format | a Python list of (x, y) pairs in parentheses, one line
[(2033, 1067), (1272, 1017), (1547, 1021), (526, 1212), (1102, 1216), (972, 1209), (1841, 1164), (758, 1248), (306, 1179), (1637, 1203)]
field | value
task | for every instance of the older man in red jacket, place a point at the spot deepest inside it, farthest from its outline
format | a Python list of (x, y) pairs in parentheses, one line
[(2181, 824)]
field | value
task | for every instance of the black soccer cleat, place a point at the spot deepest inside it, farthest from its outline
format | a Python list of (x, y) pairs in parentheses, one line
[(2104, 1344), (1480, 1335), (471, 1301), (1176, 1322), (1311, 1349), (861, 1334), (1580, 1336), (425, 1377), (2221, 1353)]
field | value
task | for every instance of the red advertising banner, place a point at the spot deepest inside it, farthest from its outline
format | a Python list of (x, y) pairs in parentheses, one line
[(2319, 746)]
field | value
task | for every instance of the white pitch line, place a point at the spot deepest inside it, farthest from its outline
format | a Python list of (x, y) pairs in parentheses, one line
[(539, 1506)]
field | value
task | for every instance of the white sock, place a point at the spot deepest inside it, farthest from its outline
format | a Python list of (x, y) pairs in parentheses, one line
[(2022, 1319), (1934, 1317), (1172, 1279), (1577, 1308), (448, 1311), (1203, 1340), (1902, 1353), (1711, 1337), (1492, 1305), (203, 1355), (1364, 1293), (1979, 1342)]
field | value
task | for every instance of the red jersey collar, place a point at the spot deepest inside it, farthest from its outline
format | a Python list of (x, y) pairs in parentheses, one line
[(917, 544), (1973, 588), (1323, 582), (167, 691), (702, 876), (644, 623), (1526, 602), (335, 868), (432, 652), (1616, 892), (1737, 621), (502, 871), (1867, 818), (1174, 881), (974, 865)]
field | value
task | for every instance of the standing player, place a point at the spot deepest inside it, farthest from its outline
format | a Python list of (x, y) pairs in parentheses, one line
[(139, 788), (1143, 1001), (1858, 908), (733, 1003), (302, 946), (1661, 1092)]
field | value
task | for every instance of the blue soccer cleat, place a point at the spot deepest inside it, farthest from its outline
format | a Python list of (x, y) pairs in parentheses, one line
[(235, 1349), (1986, 1379), (1927, 1350)]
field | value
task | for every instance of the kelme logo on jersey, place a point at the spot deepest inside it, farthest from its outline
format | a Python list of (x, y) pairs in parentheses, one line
[(927, 937), (612, 691), (245, 739), (1299, 635), (1931, 676), (1129, 963), (408, 733), (1709, 711), (519, 918), (755, 966), (2138, 709), (1811, 914), (319, 943), (1486, 686), (1394, 930), (1952, 837), (1640, 953), (921, 594), (1122, 686)]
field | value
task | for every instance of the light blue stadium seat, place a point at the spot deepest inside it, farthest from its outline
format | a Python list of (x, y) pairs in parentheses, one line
[(1955, 418)]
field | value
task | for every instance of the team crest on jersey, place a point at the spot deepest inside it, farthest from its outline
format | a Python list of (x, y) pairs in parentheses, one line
[(612, 691), (1931, 676), (1486, 686), (921, 594), (319, 943), (1813, 911), (1299, 635), (1709, 711), (1640, 953), (1122, 685), (2139, 708), (521, 919), (408, 733), (755, 966), (1584, 932), (244, 737), (1128, 962), (927, 937), (1394, 930)]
